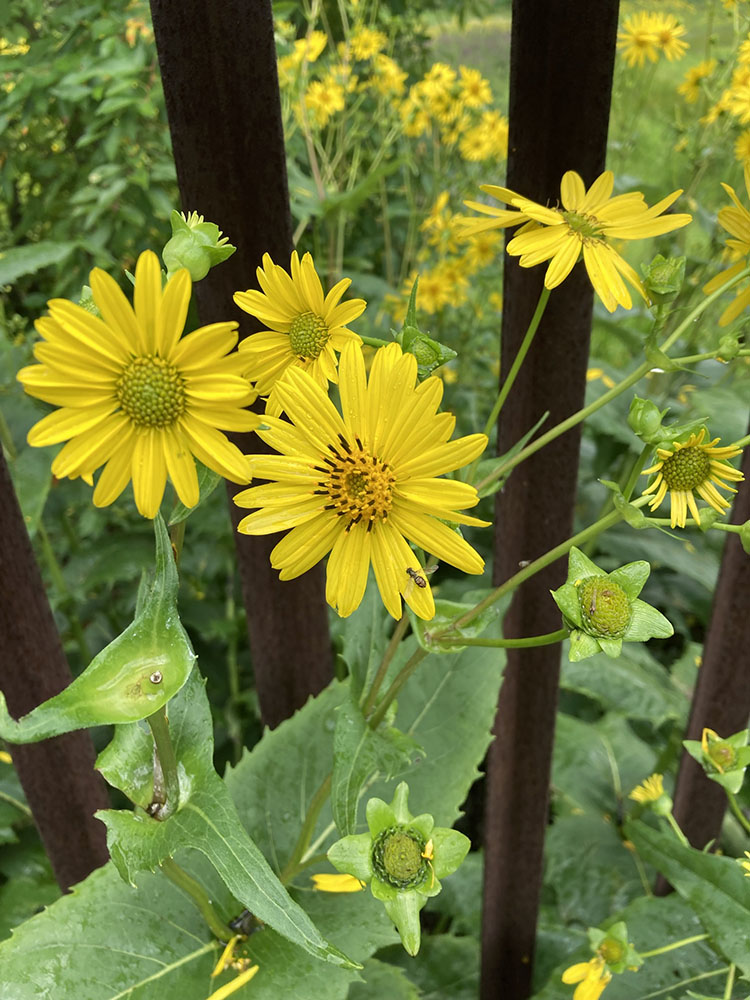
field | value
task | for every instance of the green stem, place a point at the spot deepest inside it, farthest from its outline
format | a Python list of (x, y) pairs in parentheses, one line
[(635, 376), (677, 831), (533, 640), (177, 538), (16, 803), (734, 806), (671, 947), (398, 634), (314, 859), (166, 798), (398, 682), (514, 370), (308, 828), (199, 896), (730, 982)]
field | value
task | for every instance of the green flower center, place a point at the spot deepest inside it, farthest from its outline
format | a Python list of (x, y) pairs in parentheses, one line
[(151, 391), (397, 857), (308, 335), (605, 607), (359, 485), (586, 227), (686, 469), (722, 755), (611, 951)]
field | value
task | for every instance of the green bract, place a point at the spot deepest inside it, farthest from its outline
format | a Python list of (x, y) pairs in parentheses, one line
[(402, 857), (131, 678), (723, 760), (613, 946), (602, 610), (196, 245)]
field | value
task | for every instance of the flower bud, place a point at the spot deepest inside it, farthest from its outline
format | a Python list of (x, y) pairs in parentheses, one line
[(645, 419), (663, 278), (196, 245)]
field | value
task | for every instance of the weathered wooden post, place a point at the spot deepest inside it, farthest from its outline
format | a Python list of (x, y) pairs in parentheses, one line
[(562, 58), (218, 65)]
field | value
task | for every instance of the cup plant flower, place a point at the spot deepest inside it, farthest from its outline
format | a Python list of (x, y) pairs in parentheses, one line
[(613, 953), (723, 760), (602, 610), (403, 858)]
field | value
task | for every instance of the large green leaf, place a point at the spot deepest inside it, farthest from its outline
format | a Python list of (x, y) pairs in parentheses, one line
[(714, 887), (206, 820), (18, 261), (446, 968)]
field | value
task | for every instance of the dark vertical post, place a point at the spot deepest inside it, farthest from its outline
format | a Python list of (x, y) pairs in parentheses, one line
[(721, 699), (562, 58), (57, 775), (218, 64)]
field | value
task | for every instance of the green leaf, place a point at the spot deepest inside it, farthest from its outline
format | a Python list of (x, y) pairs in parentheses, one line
[(16, 262), (207, 821), (208, 480), (382, 980), (131, 678), (446, 968), (445, 613), (363, 638), (647, 623), (714, 886), (358, 752)]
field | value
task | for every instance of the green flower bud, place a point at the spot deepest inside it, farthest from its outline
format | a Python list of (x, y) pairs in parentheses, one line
[(131, 678), (613, 947), (196, 245), (729, 347), (402, 857), (644, 419), (663, 278), (602, 610), (723, 760)]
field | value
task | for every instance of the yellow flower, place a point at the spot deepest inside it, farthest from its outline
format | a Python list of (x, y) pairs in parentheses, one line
[(360, 485), (638, 42), (474, 91), (742, 147), (592, 978), (365, 43), (588, 222), (668, 33), (691, 88), (134, 395), (593, 374), (692, 466), (337, 883), (499, 218), (19, 48), (743, 52), (736, 220), (324, 98), (305, 328), (482, 250), (388, 77), (650, 790), (235, 984), (746, 864)]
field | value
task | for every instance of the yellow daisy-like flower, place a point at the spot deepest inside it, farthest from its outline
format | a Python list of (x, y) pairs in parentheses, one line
[(735, 219), (742, 147), (365, 43), (638, 42), (474, 91), (360, 485), (650, 790), (305, 328), (668, 33), (135, 396), (691, 87), (587, 222), (692, 467), (337, 883), (592, 978)]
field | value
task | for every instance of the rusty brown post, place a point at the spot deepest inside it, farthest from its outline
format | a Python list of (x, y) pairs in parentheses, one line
[(218, 65), (562, 58), (721, 699), (58, 777)]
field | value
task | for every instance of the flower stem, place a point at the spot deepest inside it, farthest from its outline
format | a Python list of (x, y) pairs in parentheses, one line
[(678, 832), (398, 634), (533, 640), (177, 538), (734, 806), (308, 828), (166, 797), (200, 897), (730, 982), (671, 947), (635, 376), (398, 682)]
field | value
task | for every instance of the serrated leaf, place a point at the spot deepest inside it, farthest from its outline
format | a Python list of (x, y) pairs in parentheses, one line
[(15, 262), (714, 886), (207, 821), (359, 752)]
